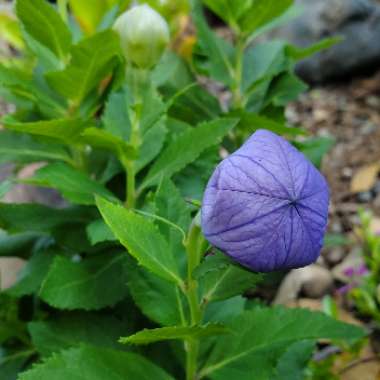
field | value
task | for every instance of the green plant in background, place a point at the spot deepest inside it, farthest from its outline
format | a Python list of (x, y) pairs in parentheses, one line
[(129, 144), (363, 286)]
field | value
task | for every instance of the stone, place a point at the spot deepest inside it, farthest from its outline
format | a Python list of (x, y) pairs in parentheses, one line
[(357, 21)]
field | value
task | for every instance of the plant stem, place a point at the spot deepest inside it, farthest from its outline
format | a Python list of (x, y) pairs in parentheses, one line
[(237, 96), (62, 8), (193, 249), (130, 185)]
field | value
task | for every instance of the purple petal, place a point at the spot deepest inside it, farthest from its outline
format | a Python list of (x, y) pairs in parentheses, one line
[(266, 205)]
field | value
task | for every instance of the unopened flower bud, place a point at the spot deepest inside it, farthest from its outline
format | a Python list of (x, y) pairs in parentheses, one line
[(266, 206), (144, 35)]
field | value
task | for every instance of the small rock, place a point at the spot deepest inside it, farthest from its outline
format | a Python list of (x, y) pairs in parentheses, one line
[(314, 281), (364, 197), (335, 256)]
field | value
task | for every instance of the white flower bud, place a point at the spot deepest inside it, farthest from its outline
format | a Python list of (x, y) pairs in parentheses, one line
[(144, 35)]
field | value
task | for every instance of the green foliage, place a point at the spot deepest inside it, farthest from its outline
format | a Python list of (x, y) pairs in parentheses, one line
[(142, 239), (175, 332), (181, 151), (90, 363), (91, 60), (98, 268), (74, 185), (72, 329), (254, 331), (43, 23), (91, 283)]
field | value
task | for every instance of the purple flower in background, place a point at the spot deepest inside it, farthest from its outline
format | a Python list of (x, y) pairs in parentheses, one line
[(266, 205)]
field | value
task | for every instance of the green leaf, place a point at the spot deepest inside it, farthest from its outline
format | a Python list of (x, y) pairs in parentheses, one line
[(17, 147), (229, 10), (224, 280), (43, 23), (250, 122), (90, 363), (174, 332), (74, 185), (284, 89), (152, 143), (183, 151), (72, 329), (263, 12), (316, 148), (234, 355), (91, 60), (66, 130), (142, 239), (302, 53), (18, 245), (98, 232), (217, 52), (90, 284), (89, 17), (39, 218), (292, 364), (31, 276), (116, 115), (100, 138), (263, 61), (171, 206), (158, 299)]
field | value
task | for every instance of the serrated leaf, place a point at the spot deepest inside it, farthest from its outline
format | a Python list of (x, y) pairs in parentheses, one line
[(250, 122), (98, 232), (30, 278), (263, 12), (90, 363), (100, 138), (259, 330), (225, 280), (116, 114), (39, 218), (43, 23), (66, 130), (152, 143), (74, 185), (18, 147), (91, 60), (75, 328), (175, 333), (158, 299), (292, 364), (90, 284), (142, 239), (183, 151), (219, 53)]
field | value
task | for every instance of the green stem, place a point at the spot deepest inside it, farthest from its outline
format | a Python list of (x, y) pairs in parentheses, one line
[(194, 250), (237, 96), (62, 9), (130, 185)]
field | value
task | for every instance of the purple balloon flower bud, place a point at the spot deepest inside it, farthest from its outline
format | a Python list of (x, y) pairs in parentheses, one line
[(266, 205)]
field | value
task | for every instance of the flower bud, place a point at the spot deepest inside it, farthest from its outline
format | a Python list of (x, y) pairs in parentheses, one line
[(144, 35), (266, 205)]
